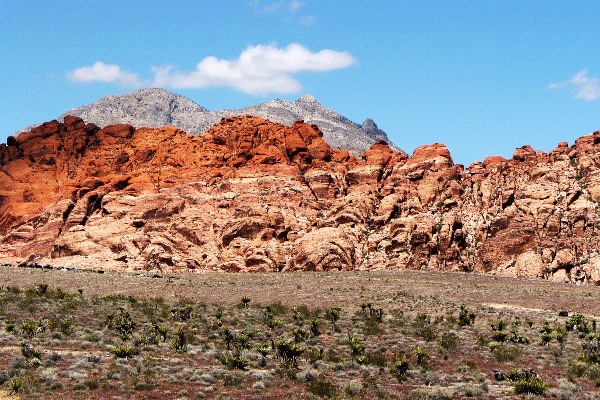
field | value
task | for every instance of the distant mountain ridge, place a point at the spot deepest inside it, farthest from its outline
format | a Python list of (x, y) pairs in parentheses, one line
[(154, 108)]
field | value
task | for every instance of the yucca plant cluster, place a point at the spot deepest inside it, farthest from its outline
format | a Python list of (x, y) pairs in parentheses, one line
[(80, 346)]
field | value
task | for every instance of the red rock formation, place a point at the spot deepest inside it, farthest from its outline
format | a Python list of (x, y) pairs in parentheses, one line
[(251, 195)]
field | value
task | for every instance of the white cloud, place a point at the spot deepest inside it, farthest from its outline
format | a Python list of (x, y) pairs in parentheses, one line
[(108, 73), (270, 7), (585, 87), (258, 69), (295, 5), (307, 20)]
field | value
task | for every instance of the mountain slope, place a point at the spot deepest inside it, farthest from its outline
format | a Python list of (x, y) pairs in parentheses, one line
[(154, 108)]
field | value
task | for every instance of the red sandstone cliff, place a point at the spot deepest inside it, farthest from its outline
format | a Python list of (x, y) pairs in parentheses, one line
[(251, 195)]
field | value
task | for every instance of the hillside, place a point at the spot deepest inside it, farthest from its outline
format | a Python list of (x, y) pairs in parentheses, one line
[(253, 195)]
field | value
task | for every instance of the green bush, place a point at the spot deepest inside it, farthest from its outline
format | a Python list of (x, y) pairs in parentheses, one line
[(533, 385), (422, 357), (15, 385), (288, 352), (180, 341), (466, 317), (449, 341), (233, 362), (400, 369), (122, 324), (578, 323), (124, 351), (322, 388)]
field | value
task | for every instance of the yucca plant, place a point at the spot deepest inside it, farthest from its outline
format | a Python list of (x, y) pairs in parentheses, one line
[(288, 352), (180, 341), (233, 362), (124, 351), (15, 385)]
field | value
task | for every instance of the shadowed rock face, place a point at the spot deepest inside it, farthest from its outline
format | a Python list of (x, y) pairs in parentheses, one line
[(252, 195)]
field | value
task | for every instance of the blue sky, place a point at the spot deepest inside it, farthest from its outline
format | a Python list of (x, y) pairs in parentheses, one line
[(482, 77)]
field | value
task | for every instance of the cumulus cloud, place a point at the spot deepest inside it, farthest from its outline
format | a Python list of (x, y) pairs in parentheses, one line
[(258, 69), (108, 73), (585, 87)]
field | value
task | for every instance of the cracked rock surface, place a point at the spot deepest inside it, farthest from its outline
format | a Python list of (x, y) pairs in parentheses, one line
[(253, 195)]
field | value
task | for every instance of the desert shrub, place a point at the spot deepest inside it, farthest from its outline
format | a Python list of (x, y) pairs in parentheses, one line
[(10, 326), (357, 349), (15, 385), (333, 315), (179, 343), (576, 369), (233, 362), (60, 294), (593, 374), (353, 388), (29, 352), (377, 358), (232, 379), (498, 325), (245, 302), (545, 339), (153, 334), (449, 341), (124, 351), (466, 317), (423, 328), (181, 313), (63, 325), (505, 353), (533, 385), (516, 337), (322, 388), (122, 324), (400, 369), (276, 308), (430, 393), (372, 323), (578, 323), (313, 354), (473, 389), (299, 335), (41, 288), (288, 353), (559, 334), (421, 356), (28, 329), (314, 328)]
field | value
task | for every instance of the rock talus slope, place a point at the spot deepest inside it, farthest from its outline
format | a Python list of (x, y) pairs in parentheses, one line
[(252, 195)]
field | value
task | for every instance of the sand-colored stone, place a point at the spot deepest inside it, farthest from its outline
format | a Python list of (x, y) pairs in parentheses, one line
[(252, 195)]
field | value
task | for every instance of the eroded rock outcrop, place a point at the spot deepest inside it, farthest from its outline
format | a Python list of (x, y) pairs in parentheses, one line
[(252, 195)]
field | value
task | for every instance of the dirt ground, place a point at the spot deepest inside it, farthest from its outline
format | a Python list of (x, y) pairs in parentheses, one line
[(344, 289)]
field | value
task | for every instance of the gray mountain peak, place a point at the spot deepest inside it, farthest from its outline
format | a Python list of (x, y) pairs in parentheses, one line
[(307, 98), (155, 107)]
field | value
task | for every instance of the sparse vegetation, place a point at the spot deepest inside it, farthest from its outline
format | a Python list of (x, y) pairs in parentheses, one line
[(75, 346)]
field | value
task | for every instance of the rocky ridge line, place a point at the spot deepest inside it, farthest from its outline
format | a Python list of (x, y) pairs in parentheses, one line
[(155, 108), (252, 195)]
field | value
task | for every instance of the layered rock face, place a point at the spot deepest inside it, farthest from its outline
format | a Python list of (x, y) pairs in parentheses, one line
[(252, 195)]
